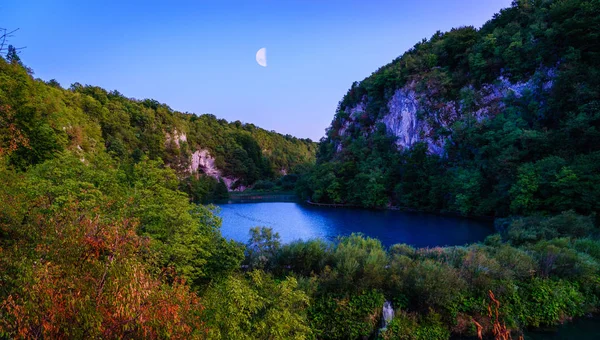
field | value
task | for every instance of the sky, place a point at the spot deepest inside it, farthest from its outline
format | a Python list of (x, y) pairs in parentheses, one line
[(199, 56)]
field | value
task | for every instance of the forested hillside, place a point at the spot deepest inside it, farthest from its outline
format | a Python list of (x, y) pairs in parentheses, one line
[(99, 238), (497, 121), (89, 120)]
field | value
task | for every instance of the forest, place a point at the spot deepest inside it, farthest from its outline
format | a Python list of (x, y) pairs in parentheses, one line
[(102, 234), (86, 119), (539, 153)]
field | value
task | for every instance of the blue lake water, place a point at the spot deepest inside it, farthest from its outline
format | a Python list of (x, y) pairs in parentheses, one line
[(295, 221)]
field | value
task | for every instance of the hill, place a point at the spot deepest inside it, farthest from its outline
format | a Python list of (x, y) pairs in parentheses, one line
[(207, 153), (494, 121)]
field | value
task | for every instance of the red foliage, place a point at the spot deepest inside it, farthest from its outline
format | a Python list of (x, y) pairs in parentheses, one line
[(499, 329), (11, 137), (85, 278)]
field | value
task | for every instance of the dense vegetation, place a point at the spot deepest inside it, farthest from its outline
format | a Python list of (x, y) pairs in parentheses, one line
[(99, 239), (540, 153), (87, 120), (542, 271), (96, 238)]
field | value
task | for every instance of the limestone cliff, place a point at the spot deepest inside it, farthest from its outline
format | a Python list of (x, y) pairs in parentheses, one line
[(416, 112)]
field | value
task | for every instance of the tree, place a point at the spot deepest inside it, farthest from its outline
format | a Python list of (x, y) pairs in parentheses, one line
[(262, 247), (256, 307)]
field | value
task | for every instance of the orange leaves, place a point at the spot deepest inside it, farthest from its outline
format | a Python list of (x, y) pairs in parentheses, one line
[(479, 329), (11, 137), (498, 327), (84, 278)]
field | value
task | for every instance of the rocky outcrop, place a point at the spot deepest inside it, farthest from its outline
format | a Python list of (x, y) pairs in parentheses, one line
[(202, 162), (415, 115)]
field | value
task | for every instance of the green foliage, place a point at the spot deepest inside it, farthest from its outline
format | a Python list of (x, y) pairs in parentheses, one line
[(262, 247), (532, 229), (537, 152), (263, 185), (204, 189), (358, 263), (408, 327), (99, 239), (588, 246), (551, 301), (74, 263), (346, 317), (304, 257), (437, 291), (256, 307), (87, 119), (432, 284)]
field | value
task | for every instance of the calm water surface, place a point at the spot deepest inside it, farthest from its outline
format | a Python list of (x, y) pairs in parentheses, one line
[(295, 221)]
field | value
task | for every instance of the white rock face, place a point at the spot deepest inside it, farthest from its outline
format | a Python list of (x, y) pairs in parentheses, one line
[(402, 119), (415, 116), (202, 161)]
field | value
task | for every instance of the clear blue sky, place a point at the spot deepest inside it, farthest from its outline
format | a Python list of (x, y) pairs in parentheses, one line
[(199, 56)]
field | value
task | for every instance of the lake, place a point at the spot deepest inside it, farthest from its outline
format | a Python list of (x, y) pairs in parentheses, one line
[(294, 221)]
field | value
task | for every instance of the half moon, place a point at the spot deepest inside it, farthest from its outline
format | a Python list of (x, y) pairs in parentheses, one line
[(261, 57)]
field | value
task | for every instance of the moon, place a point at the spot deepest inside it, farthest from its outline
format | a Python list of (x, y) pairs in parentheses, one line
[(261, 57)]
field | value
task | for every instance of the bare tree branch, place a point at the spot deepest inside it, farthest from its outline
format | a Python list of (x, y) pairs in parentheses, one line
[(5, 36)]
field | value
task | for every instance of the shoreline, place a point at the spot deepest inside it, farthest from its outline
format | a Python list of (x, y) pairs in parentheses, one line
[(404, 209), (289, 197)]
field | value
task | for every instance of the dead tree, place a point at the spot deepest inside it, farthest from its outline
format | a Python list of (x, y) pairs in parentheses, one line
[(5, 46)]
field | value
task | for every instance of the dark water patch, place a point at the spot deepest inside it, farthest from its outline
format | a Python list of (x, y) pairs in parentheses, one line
[(587, 328)]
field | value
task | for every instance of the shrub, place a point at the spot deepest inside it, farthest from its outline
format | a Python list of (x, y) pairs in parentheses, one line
[(263, 185), (588, 246), (358, 263), (349, 317), (304, 257), (532, 229), (556, 258), (408, 327), (433, 285), (480, 270), (262, 247), (516, 262), (402, 249), (549, 302), (256, 306)]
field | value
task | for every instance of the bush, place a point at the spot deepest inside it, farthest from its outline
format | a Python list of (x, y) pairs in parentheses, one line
[(304, 257), (263, 185), (517, 263), (532, 229), (346, 317), (433, 285), (256, 306), (556, 258), (408, 327), (402, 249), (588, 246), (549, 302), (358, 263)]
